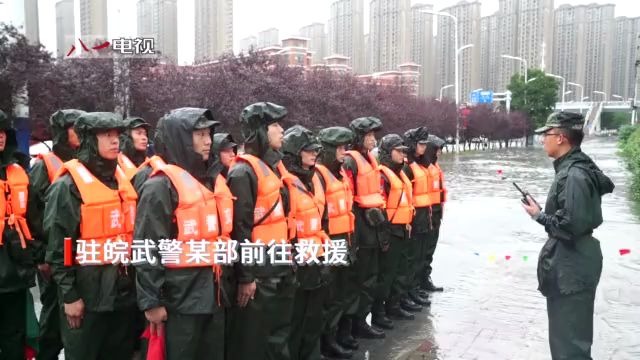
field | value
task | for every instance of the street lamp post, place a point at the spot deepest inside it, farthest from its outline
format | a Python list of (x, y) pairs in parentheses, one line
[(455, 65), (564, 86), (581, 93), (521, 60), (442, 89), (604, 94)]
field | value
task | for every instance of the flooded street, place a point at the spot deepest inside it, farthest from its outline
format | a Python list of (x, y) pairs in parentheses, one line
[(486, 260)]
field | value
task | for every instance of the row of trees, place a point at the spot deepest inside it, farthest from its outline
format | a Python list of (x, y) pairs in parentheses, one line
[(315, 99)]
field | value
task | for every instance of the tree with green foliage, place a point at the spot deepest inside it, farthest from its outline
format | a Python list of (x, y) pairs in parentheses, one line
[(537, 98)]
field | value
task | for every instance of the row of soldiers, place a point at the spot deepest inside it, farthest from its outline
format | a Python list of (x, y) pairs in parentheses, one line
[(286, 186)]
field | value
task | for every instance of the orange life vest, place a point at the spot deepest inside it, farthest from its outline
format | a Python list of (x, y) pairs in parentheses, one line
[(367, 194), (52, 162), (196, 217), (399, 204), (127, 166), (13, 202), (155, 162), (435, 183), (339, 202), (224, 201), (106, 215), (273, 223), (420, 185), (305, 209)]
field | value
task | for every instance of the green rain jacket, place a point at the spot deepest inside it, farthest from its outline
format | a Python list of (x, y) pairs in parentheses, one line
[(571, 259)]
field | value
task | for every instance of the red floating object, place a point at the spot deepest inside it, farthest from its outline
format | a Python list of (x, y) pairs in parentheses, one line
[(499, 171), (507, 257), (624, 251)]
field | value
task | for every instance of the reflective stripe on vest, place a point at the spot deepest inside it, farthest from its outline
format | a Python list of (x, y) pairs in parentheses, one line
[(399, 203), (339, 202), (224, 201), (304, 213), (106, 215), (367, 194), (13, 202), (127, 166), (274, 225), (197, 218), (420, 185), (434, 182), (53, 164)]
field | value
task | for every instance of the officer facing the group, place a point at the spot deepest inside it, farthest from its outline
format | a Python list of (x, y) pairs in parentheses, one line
[(338, 222), (398, 193), (307, 197), (133, 145), (17, 268), (362, 171), (261, 317), (570, 262), (174, 203), (65, 144), (97, 293)]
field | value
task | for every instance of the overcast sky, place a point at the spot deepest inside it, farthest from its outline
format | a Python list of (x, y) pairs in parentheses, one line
[(249, 17)]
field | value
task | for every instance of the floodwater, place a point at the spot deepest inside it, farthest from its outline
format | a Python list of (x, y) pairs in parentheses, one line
[(486, 260)]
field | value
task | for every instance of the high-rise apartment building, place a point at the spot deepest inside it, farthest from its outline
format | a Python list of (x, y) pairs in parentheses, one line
[(65, 27), (389, 34), (158, 19), (346, 32), (422, 47), (269, 37), (625, 53), (468, 15), (94, 27), (583, 47), (213, 29)]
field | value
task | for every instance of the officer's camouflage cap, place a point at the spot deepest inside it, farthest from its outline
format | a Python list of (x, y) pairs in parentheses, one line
[(364, 125), (336, 136), (564, 120)]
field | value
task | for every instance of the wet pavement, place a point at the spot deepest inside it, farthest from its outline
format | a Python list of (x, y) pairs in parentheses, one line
[(486, 259)]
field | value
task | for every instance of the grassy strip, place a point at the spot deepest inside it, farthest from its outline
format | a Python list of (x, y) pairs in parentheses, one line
[(629, 142)]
